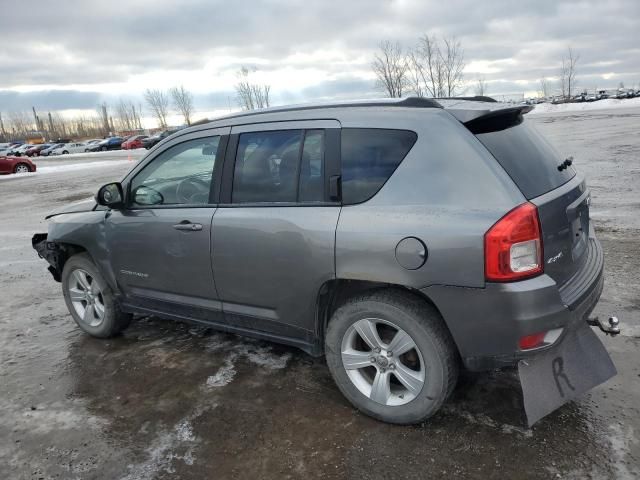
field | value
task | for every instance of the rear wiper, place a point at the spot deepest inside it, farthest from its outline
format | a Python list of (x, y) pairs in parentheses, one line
[(566, 164)]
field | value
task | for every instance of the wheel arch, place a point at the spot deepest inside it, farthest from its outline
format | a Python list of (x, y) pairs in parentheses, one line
[(334, 293)]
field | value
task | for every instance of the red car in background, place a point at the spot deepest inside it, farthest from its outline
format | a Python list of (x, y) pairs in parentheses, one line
[(16, 165), (36, 149), (134, 142)]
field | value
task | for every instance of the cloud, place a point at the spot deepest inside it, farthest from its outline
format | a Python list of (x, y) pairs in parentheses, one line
[(305, 50)]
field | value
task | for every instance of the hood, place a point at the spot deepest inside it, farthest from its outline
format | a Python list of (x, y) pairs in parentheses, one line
[(76, 207)]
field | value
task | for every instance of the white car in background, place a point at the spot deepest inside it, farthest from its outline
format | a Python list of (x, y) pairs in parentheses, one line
[(78, 147)]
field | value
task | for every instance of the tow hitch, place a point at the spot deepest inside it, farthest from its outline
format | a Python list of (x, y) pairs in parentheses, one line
[(612, 328)]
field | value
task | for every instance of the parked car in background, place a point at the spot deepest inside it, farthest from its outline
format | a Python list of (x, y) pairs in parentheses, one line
[(150, 142), (16, 165), (111, 143), (45, 152), (75, 147), (19, 150), (135, 141), (35, 150)]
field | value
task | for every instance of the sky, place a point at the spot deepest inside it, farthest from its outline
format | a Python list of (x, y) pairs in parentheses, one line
[(72, 55)]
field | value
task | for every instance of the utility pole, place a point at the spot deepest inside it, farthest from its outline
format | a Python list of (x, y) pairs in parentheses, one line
[(51, 129), (105, 118), (2, 132)]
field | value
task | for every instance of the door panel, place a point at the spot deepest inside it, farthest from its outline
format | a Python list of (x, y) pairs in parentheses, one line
[(161, 243), (158, 262), (270, 263)]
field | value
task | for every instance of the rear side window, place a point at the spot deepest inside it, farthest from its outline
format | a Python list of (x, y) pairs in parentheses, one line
[(279, 166), (369, 158), (530, 161)]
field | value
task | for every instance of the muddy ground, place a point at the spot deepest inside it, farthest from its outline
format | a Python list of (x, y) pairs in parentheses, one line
[(171, 400)]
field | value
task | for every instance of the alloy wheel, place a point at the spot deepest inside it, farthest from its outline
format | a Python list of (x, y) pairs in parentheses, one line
[(382, 361), (86, 297)]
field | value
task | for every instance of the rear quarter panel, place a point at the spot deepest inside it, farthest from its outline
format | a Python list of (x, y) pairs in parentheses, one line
[(447, 192)]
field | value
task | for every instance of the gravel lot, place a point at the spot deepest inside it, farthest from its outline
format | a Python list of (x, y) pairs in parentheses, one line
[(170, 400)]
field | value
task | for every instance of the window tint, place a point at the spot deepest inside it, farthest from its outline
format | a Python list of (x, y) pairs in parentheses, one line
[(312, 167), (181, 175), (369, 158), (528, 159), (266, 168)]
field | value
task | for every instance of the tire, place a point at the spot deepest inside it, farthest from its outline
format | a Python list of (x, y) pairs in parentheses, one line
[(21, 168), (80, 270), (64, 152), (104, 149), (436, 367)]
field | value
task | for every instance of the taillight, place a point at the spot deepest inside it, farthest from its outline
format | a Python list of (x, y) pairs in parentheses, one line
[(513, 246)]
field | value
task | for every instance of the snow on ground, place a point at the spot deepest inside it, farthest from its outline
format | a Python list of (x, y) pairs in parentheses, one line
[(135, 153), (81, 166), (609, 103), (68, 167)]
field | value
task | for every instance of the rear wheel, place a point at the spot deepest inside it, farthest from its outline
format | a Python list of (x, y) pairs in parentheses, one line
[(22, 168), (65, 152), (90, 300), (391, 356)]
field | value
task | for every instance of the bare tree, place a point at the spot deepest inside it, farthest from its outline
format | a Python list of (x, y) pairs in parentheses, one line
[(452, 56), (391, 68), (481, 86), (183, 102), (544, 88), (426, 75), (435, 67), (251, 95), (125, 116), (158, 102), (568, 73)]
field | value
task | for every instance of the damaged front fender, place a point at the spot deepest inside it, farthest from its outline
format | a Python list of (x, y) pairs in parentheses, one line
[(52, 252)]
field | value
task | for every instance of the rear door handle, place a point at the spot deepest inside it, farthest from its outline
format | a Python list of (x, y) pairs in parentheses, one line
[(188, 226)]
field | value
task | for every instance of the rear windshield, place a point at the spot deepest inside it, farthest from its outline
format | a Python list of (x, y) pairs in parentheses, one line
[(531, 162)]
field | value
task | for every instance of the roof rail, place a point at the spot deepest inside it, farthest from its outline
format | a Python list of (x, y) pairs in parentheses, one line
[(411, 102), (477, 98)]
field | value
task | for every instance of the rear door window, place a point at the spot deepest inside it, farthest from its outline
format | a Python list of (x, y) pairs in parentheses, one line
[(369, 158), (282, 166), (530, 161)]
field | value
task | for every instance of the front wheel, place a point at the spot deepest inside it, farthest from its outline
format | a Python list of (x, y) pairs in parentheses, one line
[(392, 356), (21, 168), (64, 152), (104, 149), (90, 300)]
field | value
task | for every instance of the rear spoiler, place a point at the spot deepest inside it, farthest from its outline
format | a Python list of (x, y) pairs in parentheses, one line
[(490, 120)]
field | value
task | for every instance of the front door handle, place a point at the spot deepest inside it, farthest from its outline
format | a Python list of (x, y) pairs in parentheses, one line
[(188, 226)]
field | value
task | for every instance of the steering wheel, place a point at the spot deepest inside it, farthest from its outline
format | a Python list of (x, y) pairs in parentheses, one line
[(192, 190)]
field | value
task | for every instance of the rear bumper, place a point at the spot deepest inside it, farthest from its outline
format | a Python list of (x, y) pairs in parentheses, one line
[(487, 323)]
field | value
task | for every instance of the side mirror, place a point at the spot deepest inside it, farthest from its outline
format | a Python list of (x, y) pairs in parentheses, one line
[(144, 195), (110, 195)]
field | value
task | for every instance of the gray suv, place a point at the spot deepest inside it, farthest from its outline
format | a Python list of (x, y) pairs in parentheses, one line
[(402, 239)]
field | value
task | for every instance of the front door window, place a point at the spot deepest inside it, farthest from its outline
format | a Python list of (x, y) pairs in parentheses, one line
[(181, 175)]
